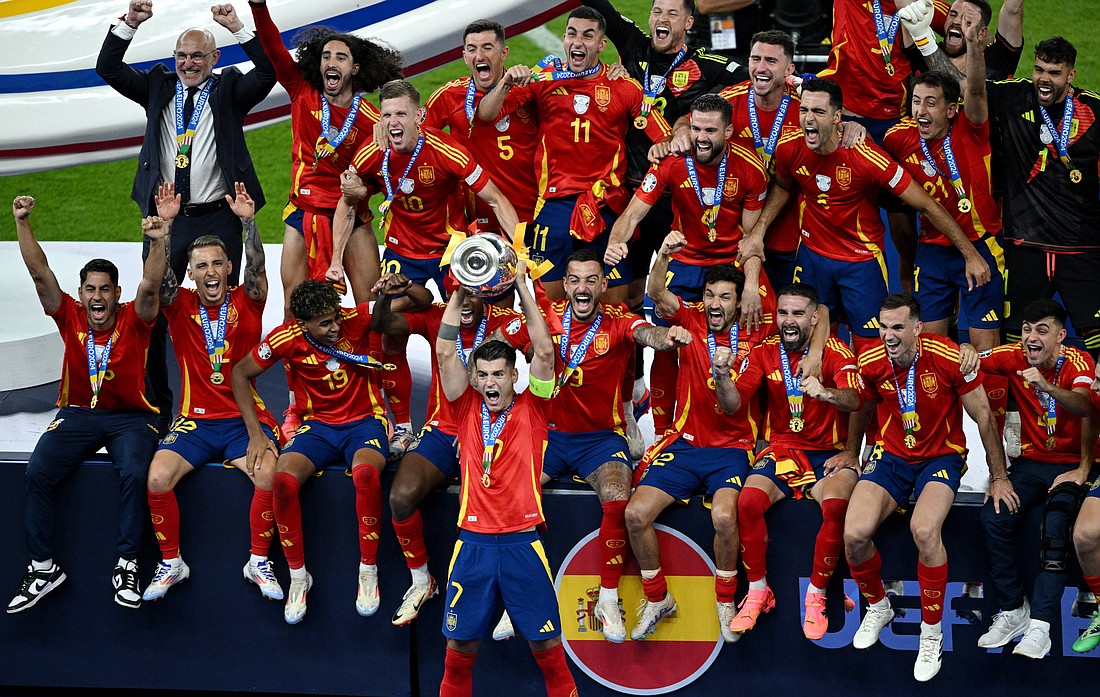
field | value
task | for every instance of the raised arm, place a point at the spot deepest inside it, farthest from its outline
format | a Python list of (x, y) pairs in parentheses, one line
[(45, 282), (1010, 22), (665, 301), (124, 79), (729, 398), (453, 376), (257, 83), (255, 261), (147, 302), (343, 221), (168, 207), (502, 208), (975, 99), (490, 105), (542, 360)]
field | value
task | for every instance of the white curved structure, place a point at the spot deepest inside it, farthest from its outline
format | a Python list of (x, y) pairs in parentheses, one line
[(55, 111)]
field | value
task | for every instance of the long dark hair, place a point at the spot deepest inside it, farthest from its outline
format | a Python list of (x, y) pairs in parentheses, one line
[(378, 63)]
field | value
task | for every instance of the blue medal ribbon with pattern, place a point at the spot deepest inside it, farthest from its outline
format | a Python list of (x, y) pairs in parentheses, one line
[(478, 338), (578, 354), (1050, 402), (384, 207), (886, 33), (907, 401), (1062, 139), (712, 345), (186, 134), (97, 369), (795, 397), (327, 146), (710, 214), (345, 356), (952, 167), (215, 338), (490, 431), (649, 95), (551, 68), (766, 150)]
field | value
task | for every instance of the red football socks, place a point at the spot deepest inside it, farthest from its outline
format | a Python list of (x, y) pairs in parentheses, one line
[(410, 535), (830, 541), (868, 576), (751, 506), (724, 588), (165, 512), (1093, 582), (613, 547), (458, 674), (288, 515), (368, 507), (559, 681), (261, 522), (655, 588), (933, 586)]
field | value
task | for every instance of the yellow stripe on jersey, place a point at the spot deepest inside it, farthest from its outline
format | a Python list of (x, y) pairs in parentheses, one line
[(789, 135), (874, 156), (365, 154), (447, 150), (284, 336), (748, 156), (873, 354), (1078, 359), (734, 91), (839, 346)]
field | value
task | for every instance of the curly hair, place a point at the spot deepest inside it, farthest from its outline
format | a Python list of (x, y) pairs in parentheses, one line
[(378, 62), (313, 298)]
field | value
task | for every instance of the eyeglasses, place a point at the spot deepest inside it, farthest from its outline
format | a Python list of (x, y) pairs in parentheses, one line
[(196, 57)]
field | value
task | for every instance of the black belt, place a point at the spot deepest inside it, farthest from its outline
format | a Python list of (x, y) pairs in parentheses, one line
[(197, 210)]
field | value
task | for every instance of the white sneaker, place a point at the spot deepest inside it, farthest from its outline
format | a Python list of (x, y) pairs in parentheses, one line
[(873, 621), (649, 614), (295, 608), (611, 618), (368, 598), (1012, 434), (1035, 644), (401, 440), (726, 613), (1007, 625), (929, 656), (411, 602), (262, 573), (504, 629), (167, 575), (125, 581)]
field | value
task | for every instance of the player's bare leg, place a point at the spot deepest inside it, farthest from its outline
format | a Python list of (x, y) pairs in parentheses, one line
[(727, 543), (833, 492), (293, 269), (611, 482), (362, 264), (366, 475), (931, 509), (165, 471), (1086, 539), (755, 499), (415, 478), (293, 470), (644, 507), (261, 525), (869, 507)]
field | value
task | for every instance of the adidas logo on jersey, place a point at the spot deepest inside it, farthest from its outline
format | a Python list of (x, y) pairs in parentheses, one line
[(803, 171)]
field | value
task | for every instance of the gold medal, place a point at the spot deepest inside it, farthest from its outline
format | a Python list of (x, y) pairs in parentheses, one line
[(95, 398), (217, 377), (797, 424), (711, 234), (640, 122), (1075, 176), (485, 480), (890, 70), (1050, 442), (910, 441), (964, 205), (182, 161)]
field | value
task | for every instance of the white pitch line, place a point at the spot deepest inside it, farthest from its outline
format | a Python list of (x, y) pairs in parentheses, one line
[(545, 39)]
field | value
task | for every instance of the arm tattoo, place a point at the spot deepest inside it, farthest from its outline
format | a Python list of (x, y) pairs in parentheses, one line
[(653, 337), (255, 261), (169, 285), (940, 61)]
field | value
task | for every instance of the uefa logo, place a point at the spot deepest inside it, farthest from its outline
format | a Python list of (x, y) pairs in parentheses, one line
[(684, 645)]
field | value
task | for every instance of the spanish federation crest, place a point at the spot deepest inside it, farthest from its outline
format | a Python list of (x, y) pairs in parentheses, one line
[(580, 103), (426, 173), (844, 176), (823, 182), (601, 344), (929, 383), (603, 95), (680, 78), (730, 187)]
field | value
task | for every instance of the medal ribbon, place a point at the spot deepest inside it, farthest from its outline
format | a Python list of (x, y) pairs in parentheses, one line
[(470, 105), (97, 369), (649, 94), (489, 434), (794, 392), (185, 136), (550, 68), (885, 33), (384, 207), (1062, 139), (712, 345), (357, 358), (326, 146), (1051, 402), (908, 400), (710, 216), (952, 165), (215, 337), (478, 338), (766, 150), (582, 348)]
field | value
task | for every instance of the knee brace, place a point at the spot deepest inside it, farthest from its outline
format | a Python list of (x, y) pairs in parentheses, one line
[(1056, 540)]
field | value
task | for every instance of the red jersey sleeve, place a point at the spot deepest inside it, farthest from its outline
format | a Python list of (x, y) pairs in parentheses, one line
[(751, 373)]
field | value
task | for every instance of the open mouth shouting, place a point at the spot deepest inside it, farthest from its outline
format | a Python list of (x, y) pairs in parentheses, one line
[(577, 59), (97, 311), (1033, 350), (1045, 92), (812, 134), (791, 336), (584, 304), (925, 126), (484, 72), (334, 81), (716, 319), (661, 33), (492, 398)]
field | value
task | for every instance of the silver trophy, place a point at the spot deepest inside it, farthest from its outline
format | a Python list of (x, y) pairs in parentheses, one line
[(485, 264)]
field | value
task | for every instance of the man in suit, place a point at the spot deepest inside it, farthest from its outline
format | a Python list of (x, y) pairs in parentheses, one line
[(195, 138)]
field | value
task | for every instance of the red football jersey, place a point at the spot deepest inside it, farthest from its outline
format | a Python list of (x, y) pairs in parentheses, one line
[(856, 62), (783, 233), (426, 324), (825, 427), (939, 386), (314, 183), (745, 188), (506, 147), (513, 499), (427, 204), (199, 397), (592, 399), (970, 145), (123, 385), (583, 124), (841, 218), (699, 418), (334, 391), (1077, 371)]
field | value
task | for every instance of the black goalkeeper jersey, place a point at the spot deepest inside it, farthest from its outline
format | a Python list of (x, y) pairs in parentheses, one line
[(1043, 206)]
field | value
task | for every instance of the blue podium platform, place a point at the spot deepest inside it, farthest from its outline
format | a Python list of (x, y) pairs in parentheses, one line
[(215, 632)]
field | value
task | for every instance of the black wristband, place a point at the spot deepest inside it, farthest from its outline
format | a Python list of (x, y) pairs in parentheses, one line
[(448, 332)]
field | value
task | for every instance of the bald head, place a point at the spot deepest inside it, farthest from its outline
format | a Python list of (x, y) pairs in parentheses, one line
[(196, 54)]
